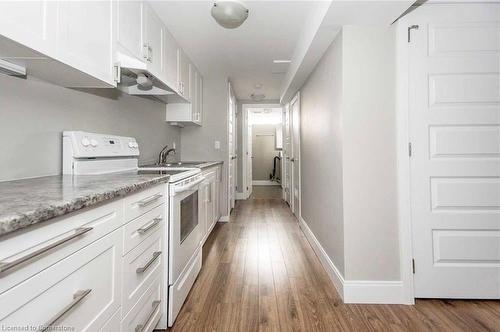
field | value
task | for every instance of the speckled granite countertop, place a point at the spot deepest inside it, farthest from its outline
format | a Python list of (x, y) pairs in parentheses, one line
[(206, 164), (31, 201)]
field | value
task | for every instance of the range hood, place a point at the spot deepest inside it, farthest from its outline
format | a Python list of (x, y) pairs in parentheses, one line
[(135, 79)]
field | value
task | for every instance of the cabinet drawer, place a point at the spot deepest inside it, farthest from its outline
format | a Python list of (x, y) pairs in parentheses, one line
[(140, 267), (113, 324), (25, 253), (142, 227), (146, 313), (144, 201), (81, 292)]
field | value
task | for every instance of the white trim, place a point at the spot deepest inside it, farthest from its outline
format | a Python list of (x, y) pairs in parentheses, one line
[(403, 160), (241, 196), (244, 138), (264, 183), (295, 210), (223, 219), (355, 291), (331, 269)]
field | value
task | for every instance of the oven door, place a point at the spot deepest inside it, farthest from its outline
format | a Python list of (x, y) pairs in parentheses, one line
[(185, 234)]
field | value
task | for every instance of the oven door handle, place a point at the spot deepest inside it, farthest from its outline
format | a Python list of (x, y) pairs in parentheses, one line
[(188, 186)]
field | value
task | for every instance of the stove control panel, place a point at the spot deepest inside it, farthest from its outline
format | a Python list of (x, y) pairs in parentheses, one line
[(80, 144)]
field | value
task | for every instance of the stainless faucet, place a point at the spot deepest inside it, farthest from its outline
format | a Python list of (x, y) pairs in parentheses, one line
[(164, 153)]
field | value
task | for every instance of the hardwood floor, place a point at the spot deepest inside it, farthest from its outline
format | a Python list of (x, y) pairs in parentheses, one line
[(266, 192), (260, 274)]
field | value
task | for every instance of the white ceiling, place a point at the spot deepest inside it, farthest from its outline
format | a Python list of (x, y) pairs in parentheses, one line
[(244, 54)]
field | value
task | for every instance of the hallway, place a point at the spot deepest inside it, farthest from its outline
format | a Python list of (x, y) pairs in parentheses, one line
[(260, 274)]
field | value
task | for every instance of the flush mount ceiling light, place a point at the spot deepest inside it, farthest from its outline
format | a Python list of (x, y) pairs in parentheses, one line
[(229, 13), (257, 97)]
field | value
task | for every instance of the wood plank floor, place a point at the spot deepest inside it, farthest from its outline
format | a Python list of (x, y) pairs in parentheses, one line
[(260, 274)]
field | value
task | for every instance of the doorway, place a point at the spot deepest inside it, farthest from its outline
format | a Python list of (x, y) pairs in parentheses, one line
[(262, 144)]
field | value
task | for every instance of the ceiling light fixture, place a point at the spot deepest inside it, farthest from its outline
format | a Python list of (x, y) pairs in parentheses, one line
[(257, 97), (258, 86), (230, 14)]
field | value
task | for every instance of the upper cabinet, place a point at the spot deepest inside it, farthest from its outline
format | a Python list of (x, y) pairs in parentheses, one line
[(87, 44), (183, 74), (130, 28), (55, 42)]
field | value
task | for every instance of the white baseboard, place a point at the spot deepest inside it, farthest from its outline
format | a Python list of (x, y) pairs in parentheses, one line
[(331, 269), (356, 291), (224, 219), (241, 196), (264, 183)]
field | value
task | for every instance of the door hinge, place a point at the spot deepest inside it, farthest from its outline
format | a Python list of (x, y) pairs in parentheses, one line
[(413, 265), (409, 149), (411, 27)]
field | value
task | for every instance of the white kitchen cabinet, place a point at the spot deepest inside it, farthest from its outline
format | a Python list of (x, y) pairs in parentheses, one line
[(54, 41), (183, 74), (130, 28), (170, 48), (86, 47), (208, 201), (153, 37), (30, 23), (188, 113)]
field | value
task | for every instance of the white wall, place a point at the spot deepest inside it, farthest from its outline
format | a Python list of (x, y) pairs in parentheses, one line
[(369, 154), (198, 142), (348, 154), (34, 113), (321, 153)]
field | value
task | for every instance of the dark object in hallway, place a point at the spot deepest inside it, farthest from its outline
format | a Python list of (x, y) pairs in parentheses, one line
[(276, 174), (260, 273)]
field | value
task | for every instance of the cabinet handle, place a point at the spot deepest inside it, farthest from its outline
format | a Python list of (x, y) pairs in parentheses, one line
[(149, 200), (145, 49), (156, 254), (5, 266), (77, 298), (145, 229), (140, 327), (150, 53)]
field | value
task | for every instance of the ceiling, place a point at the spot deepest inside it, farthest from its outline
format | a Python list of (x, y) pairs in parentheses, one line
[(244, 54)]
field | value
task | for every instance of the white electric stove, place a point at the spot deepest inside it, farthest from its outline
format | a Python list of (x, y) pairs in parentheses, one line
[(89, 154)]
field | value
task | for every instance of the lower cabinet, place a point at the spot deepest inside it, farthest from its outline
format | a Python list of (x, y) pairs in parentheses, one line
[(209, 202), (90, 282)]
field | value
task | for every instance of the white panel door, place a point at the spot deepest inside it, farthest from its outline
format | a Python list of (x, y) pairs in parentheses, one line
[(295, 156), (249, 160), (454, 68), (232, 150)]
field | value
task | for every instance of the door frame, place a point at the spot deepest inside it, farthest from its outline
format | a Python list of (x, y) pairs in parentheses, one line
[(231, 98), (295, 209), (244, 141)]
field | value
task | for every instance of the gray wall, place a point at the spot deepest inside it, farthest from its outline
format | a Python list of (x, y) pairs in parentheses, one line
[(263, 151), (321, 153), (33, 114), (198, 142), (348, 154), (369, 128)]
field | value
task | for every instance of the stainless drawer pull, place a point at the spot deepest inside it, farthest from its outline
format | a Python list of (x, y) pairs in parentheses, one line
[(5, 266), (77, 298), (156, 254), (140, 327), (145, 229), (149, 200)]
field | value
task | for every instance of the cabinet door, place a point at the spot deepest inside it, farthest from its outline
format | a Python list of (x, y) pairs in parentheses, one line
[(170, 59), (202, 211), (30, 23), (199, 96), (183, 73), (193, 95), (154, 41), (86, 47), (130, 28)]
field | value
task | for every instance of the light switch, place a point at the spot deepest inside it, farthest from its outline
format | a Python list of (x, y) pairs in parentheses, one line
[(217, 145)]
